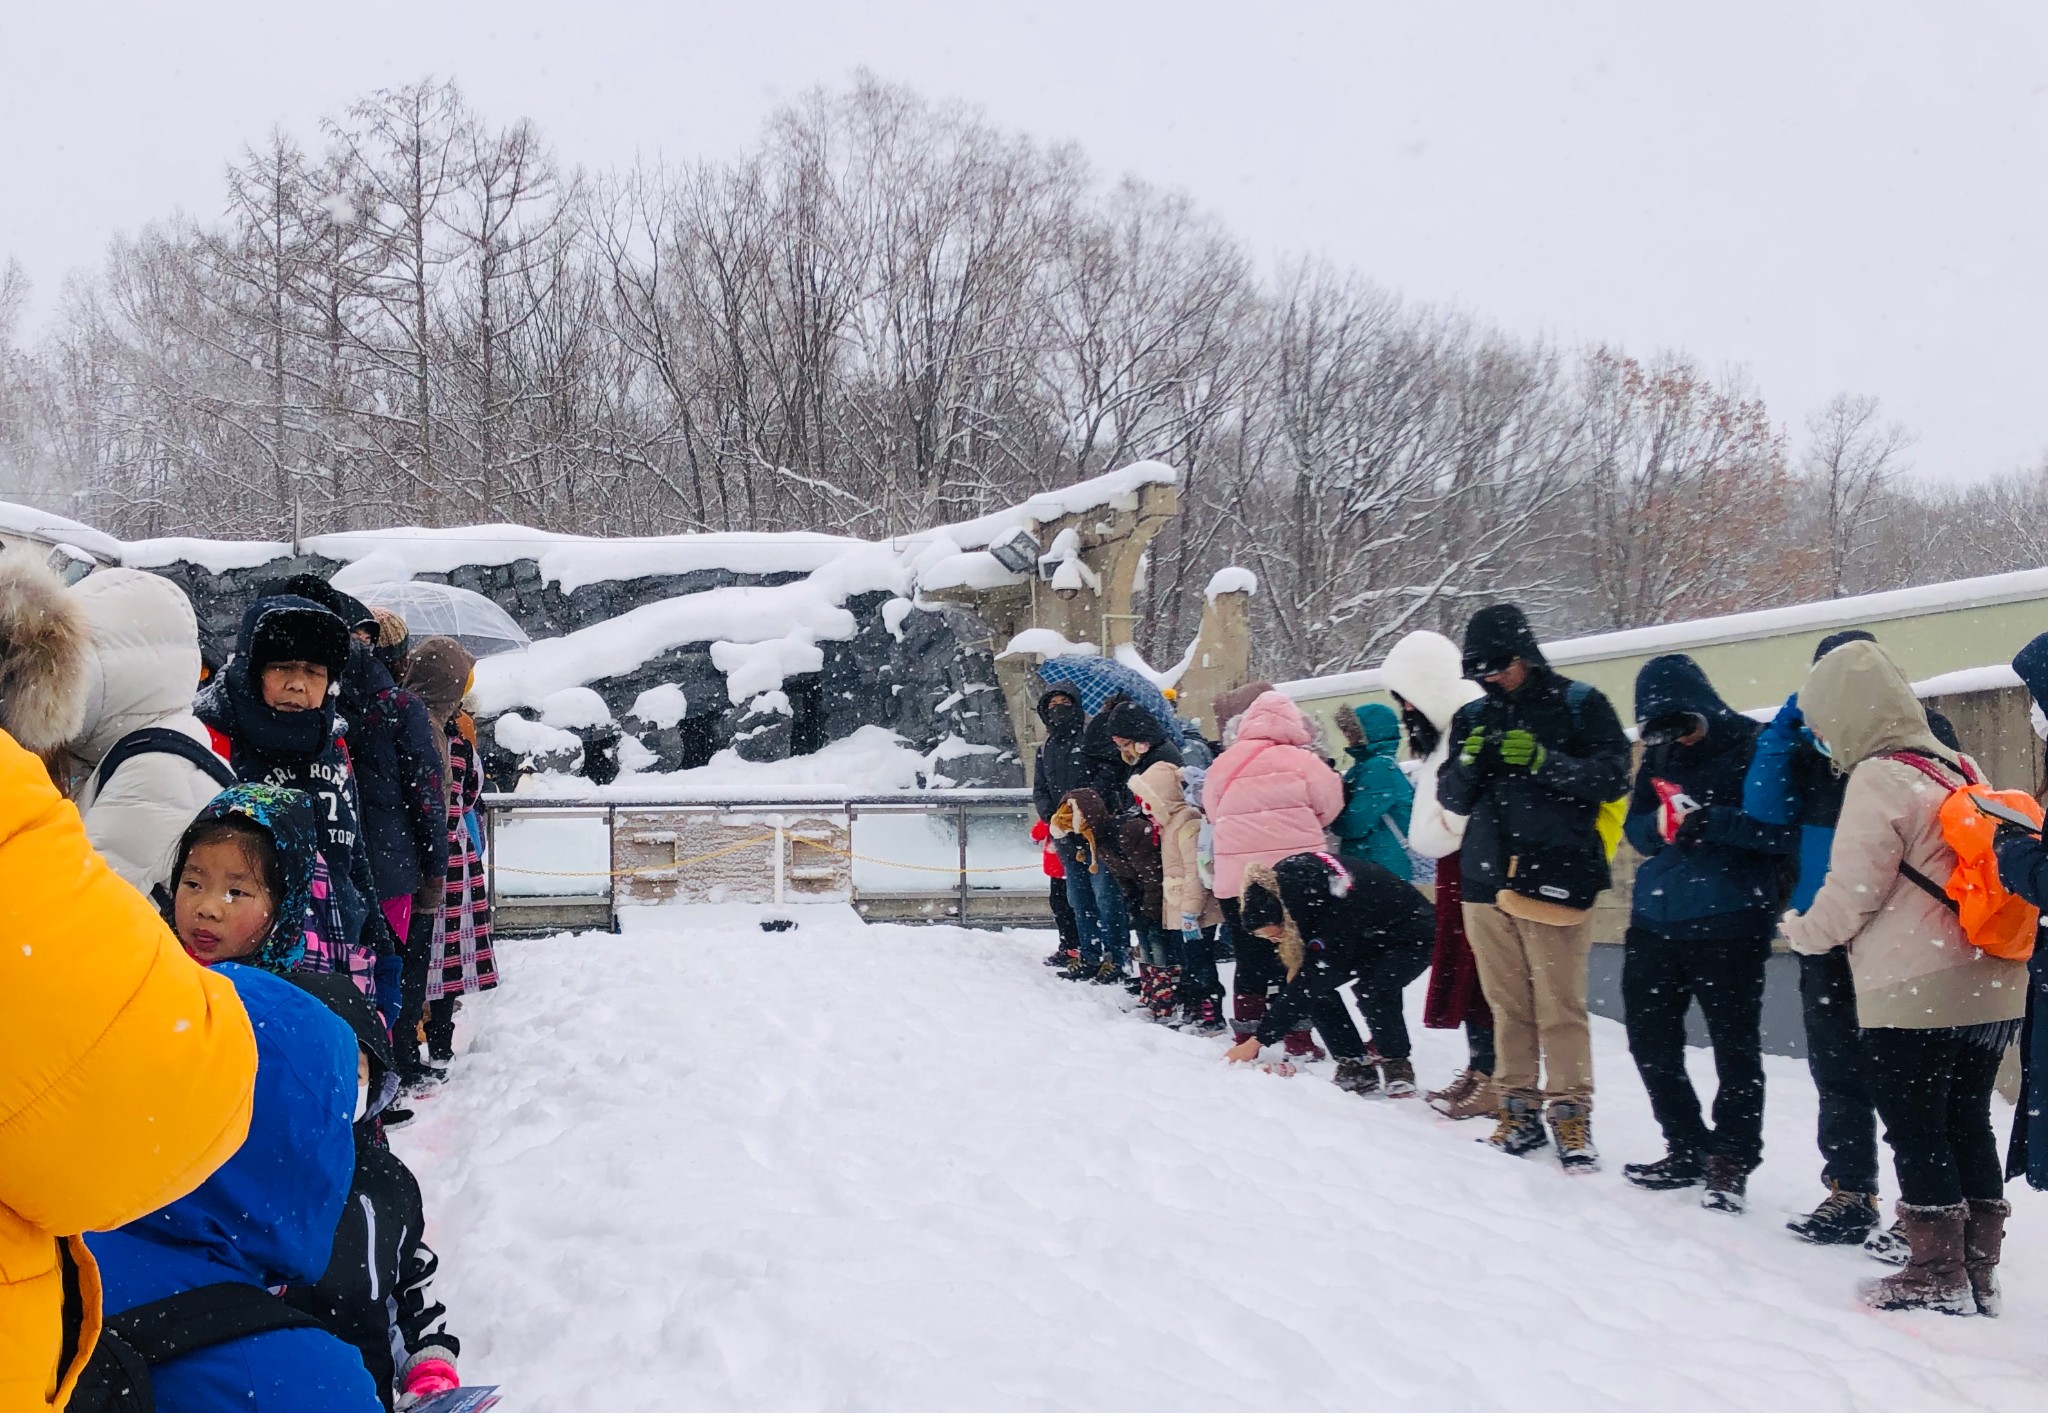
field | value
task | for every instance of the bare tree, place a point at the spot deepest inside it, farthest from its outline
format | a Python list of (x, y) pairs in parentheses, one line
[(1852, 457)]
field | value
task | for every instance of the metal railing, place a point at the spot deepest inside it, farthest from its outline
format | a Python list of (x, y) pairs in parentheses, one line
[(941, 855)]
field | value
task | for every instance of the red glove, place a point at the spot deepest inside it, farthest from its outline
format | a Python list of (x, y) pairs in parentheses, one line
[(429, 1377), (1673, 805), (1041, 831)]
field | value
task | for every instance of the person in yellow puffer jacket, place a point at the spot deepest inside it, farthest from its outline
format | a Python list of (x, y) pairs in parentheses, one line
[(126, 1073)]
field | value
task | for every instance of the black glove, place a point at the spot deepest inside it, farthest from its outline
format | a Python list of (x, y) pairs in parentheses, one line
[(1692, 830)]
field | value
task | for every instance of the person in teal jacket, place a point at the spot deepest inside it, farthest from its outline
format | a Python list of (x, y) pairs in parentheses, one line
[(1377, 795)]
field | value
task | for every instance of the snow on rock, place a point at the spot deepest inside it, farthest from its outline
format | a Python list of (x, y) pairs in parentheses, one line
[(752, 669), (893, 614), (214, 556), (776, 702), (573, 707), (51, 528), (524, 737), (1129, 656), (380, 567), (870, 761), (661, 706), (1231, 580), (1047, 642), (686, 1167)]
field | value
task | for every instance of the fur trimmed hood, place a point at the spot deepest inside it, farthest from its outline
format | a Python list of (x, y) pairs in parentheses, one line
[(1293, 951), (45, 655)]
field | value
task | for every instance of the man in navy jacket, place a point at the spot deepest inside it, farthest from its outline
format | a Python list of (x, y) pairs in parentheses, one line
[(1705, 906)]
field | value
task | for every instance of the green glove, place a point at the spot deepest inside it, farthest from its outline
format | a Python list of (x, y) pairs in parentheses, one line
[(1475, 745), (1518, 748)]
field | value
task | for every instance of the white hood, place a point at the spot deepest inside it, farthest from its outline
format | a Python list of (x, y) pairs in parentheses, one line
[(144, 667), (1426, 670)]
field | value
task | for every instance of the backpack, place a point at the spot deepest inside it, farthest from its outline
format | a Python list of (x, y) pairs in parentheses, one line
[(161, 740), (116, 1378), (1995, 921)]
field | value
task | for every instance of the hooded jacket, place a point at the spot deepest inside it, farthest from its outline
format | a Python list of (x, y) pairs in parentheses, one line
[(1728, 882), (1333, 914), (1157, 789), (1061, 764), (266, 1217), (1525, 824), (1109, 772), (1914, 969), (1119, 845), (1377, 795), (1425, 670), (127, 1075), (45, 656), (375, 1291), (1229, 706), (303, 751), (2023, 869), (1266, 796), (143, 667)]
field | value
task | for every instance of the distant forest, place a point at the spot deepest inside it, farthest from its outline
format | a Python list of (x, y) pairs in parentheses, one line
[(891, 314)]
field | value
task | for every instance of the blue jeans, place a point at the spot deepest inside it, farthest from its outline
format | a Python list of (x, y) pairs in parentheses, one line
[(1159, 947), (1098, 905)]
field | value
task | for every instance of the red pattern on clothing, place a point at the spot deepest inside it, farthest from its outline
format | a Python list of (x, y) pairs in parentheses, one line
[(460, 960)]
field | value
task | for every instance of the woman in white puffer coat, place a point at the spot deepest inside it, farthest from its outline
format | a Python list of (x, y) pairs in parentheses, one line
[(1425, 673), (144, 669)]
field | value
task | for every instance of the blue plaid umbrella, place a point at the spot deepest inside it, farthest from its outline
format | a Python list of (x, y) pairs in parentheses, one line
[(1097, 679)]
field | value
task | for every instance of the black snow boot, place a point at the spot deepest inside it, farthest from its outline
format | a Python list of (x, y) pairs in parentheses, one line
[(1109, 973), (1678, 1168), (1520, 1129), (1727, 1186), (1843, 1218), (1358, 1076)]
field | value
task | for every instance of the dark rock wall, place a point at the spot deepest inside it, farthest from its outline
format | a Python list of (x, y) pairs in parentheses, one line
[(931, 680)]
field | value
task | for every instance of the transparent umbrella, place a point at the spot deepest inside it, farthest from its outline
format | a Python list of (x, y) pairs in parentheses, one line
[(442, 610)]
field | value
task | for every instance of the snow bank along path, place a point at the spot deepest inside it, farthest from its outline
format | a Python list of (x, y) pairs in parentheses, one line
[(851, 1168)]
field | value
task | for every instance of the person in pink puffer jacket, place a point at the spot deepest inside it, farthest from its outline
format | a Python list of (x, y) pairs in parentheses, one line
[(1267, 798)]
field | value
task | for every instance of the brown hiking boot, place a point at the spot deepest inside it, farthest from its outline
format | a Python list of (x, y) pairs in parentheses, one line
[(1727, 1186), (1935, 1277), (1469, 1096), (1983, 1239), (1397, 1079)]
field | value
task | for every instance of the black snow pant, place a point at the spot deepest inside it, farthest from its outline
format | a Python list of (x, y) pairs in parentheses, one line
[(1847, 1131), (1063, 915), (1660, 979), (1385, 969), (1258, 973), (405, 1035), (440, 1028), (1933, 1088)]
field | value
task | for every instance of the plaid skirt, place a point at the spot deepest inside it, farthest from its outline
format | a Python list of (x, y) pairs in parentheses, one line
[(460, 961)]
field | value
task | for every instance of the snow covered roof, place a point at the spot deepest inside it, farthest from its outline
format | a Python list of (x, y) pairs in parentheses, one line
[(2019, 586), (48, 527)]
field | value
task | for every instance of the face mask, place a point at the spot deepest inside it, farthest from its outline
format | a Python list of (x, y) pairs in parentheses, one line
[(1822, 747), (2040, 720), (362, 1102)]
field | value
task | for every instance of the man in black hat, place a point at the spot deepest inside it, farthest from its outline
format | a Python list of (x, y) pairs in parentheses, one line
[(1533, 761)]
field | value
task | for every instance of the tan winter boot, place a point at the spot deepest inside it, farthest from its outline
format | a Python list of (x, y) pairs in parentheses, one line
[(1935, 1277), (1983, 1239), (1470, 1096)]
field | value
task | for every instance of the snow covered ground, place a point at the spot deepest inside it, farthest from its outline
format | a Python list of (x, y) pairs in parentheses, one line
[(905, 1169)]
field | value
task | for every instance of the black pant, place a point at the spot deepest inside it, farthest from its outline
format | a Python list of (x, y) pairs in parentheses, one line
[(1834, 1056), (1479, 1041), (1385, 968), (1063, 915), (1933, 1089), (440, 1028), (405, 1035), (1660, 979)]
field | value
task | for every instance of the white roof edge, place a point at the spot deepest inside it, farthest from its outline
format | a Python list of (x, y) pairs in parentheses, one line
[(1826, 616)]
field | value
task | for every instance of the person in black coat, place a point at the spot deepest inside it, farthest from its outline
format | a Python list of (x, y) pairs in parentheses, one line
[(1064, 766), (274, 703), (1332, 921), (1705, 906), (1531, 763), (375, 1291)]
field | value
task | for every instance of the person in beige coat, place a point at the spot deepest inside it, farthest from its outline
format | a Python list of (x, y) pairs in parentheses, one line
[(1937, 1014), (1188, 909)]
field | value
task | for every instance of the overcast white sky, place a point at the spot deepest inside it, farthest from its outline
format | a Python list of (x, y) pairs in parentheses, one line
[(1833, 195)]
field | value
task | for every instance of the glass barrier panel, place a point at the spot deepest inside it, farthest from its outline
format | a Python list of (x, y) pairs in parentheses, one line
[(905, 851), (553, 855), (1001, 854)]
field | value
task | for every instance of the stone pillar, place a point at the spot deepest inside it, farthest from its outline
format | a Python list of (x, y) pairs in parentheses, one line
[(1223, 656)]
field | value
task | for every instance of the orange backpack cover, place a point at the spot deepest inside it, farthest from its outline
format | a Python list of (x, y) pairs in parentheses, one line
[(1994, 920)]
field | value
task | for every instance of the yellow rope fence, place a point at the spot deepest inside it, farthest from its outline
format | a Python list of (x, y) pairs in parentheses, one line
[(754, 843)]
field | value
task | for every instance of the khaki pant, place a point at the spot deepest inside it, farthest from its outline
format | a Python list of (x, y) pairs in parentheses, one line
[(1534, 976)]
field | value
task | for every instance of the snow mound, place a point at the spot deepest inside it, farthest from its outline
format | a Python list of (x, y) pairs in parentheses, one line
[(1232, 580), (872, 761), (661, 706), (572, 707), (54, 529), (701, 1166)]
